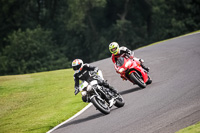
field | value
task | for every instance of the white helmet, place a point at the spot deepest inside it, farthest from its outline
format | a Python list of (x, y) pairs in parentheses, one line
[(77, 64), (114, 47)]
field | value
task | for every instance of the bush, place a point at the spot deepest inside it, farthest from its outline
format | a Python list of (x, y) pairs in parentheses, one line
[(31, 51)]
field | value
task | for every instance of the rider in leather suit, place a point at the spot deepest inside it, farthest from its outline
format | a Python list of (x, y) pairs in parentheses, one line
[(86, 72), (118, 51)]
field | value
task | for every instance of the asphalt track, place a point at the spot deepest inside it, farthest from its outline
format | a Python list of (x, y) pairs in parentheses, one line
[(170, 103)]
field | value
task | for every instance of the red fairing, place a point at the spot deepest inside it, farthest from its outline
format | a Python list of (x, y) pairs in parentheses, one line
[(138, 67), (125, 66)]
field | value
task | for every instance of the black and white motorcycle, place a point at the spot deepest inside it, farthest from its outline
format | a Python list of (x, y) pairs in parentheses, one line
[(102, 98)]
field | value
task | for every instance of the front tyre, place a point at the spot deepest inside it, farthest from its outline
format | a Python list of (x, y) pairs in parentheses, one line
[(137, 80), (119, 101), (102, 106)]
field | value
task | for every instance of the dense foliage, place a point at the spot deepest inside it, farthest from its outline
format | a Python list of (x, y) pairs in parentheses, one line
[(40, 35)]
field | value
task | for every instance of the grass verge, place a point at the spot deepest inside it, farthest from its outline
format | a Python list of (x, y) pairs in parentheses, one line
[(191, 129), (35, 103)]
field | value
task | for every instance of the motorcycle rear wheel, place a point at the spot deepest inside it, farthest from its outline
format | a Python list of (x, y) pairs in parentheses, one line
[(149, 80), (137, 80), (119, 101), (101, 106)]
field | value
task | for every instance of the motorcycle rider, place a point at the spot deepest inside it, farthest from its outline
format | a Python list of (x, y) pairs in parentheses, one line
[(86, 72), (118, 51)]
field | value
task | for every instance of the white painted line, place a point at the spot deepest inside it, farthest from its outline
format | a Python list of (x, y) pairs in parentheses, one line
[(77, 114)]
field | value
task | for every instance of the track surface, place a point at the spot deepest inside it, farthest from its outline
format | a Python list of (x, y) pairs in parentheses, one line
[(170, 103)]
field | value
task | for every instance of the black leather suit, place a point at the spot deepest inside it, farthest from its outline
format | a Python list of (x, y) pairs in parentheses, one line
[(89, 73)]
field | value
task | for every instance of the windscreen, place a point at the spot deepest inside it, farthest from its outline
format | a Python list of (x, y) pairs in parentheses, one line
[(120, 61)]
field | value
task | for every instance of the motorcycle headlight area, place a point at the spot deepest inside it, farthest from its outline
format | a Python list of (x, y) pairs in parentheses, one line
[(127, 64), (83, 93), (89, 88), (121, 70)]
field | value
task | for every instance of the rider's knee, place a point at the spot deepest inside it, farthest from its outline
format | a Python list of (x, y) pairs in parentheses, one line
[(85, 99)]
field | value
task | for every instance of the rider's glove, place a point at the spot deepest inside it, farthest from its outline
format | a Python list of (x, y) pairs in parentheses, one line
[(76, 91)]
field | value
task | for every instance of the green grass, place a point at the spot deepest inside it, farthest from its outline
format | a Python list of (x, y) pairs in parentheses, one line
[(191, 129), (35, 103)]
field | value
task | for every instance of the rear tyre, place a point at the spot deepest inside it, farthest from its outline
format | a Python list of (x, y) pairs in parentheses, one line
[(149, 80), (119, 101), (138, 80), (102, 106)]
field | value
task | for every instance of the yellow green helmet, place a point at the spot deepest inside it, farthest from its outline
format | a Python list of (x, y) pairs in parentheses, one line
[(114, 47)]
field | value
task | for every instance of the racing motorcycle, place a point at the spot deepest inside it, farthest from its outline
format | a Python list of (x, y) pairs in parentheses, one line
[(131, 70), (99, 96)]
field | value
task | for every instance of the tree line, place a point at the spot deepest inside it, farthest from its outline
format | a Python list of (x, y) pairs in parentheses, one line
[(43, 35)]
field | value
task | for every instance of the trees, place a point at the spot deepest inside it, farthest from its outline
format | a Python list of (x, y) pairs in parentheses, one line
[(172, 18), (48, 34), (31, 51)]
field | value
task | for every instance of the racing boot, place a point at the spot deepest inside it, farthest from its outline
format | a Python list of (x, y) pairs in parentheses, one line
[(111, 102), (113, 89), (142, 64), (105, 84), (86, 99)]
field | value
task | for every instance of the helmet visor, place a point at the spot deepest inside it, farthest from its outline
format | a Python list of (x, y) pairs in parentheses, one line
[(76, 67), (113, 49)]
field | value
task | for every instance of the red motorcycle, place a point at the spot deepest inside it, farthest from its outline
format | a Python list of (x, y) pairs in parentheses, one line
[(131, 70)]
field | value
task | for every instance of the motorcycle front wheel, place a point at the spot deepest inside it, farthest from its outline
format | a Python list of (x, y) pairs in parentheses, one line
[(102, 106), (137, 80)]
